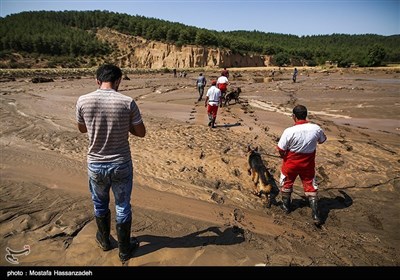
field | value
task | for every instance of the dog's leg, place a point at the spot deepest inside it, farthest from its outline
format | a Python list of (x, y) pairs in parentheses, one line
[(269, 201), (257, 190), (253, 176)]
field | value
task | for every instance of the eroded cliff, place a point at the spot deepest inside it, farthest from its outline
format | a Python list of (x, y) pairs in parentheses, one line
[(137, 52)]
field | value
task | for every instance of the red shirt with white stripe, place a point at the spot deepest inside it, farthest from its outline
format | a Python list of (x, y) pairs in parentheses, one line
[(299, 143)]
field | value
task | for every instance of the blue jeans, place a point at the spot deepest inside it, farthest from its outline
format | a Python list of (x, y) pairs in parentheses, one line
[(200, 89), (118, 177)]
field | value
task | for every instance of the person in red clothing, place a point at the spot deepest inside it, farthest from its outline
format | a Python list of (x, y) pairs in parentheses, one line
[(297, 147), (213, 99), (225, 73), (222, 85)]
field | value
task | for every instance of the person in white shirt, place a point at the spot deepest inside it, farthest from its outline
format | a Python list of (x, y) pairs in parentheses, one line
[(213, 99), (222, 85), (297, 147)]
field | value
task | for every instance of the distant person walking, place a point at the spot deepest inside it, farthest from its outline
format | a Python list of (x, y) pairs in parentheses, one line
[(174, 71), (183, 74), (225, 72), (297, 147), (294, 78), (222, 85), (201, 82), (213, 99), (108, 117)]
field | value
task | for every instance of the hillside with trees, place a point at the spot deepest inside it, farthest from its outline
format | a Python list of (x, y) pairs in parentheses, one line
[(68, 39)]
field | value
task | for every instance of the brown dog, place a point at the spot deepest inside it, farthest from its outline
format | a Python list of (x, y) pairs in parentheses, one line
[(233, 95), (263, 179)]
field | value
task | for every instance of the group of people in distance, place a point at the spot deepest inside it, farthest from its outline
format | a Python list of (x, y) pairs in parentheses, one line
[(108, 117), (215, 94)]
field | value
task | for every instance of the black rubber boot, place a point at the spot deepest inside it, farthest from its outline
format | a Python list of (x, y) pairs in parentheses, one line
[(103, 231), (126, 245), (210, 119), (314, 207), (286, 202), (213, 123)]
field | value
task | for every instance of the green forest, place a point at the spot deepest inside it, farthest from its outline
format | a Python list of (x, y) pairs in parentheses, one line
[(72, 34)]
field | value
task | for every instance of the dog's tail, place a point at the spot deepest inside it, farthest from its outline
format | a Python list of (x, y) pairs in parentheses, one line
[(265, 188)]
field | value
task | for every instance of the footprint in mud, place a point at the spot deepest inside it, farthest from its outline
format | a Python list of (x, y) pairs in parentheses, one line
[(348, 147), (375, 222), (192, 117), (321, 171), (224, 160), (217, 198), (238, 214), (202, 155), (336, 163)]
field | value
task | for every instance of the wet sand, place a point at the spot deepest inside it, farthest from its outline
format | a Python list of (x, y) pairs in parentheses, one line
[(192, 200)]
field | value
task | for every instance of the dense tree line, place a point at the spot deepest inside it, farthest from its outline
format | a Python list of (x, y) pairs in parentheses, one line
[(70, 33)]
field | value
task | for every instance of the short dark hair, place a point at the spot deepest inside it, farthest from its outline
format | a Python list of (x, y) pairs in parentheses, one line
[(300, 112), (108, 73)]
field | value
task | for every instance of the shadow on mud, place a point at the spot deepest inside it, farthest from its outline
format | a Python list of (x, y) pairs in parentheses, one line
[(325, 205), (228, 125), (211, 235)]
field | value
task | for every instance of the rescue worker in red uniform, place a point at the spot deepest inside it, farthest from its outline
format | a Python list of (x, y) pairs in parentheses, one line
[(297, 147)]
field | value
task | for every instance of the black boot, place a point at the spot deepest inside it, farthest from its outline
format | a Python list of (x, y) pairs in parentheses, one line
[(286, 202), (125, 244), (314, 207), (103, 231), (213, 123)]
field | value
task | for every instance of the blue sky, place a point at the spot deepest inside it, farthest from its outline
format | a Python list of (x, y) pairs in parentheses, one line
[(297, 17)]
